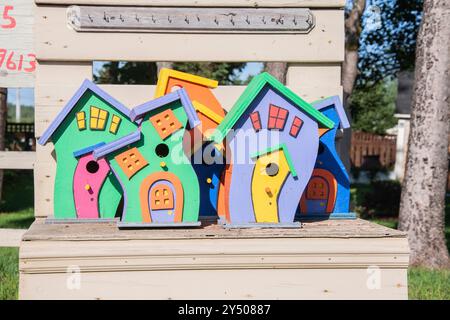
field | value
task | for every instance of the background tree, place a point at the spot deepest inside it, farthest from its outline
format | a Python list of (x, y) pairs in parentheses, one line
[(373, 110), (3, 116), (423, 194), (225, 72), (388, 39), (115, 72), (277, 69)]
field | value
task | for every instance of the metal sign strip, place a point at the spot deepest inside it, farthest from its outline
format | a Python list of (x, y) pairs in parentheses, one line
[(208, 20)]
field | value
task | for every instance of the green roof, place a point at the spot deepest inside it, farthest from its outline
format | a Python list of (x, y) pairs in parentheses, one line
[(250, 93)]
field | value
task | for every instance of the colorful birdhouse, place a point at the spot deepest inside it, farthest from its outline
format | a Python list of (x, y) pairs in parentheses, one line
[(272, 140), (160, 185), (85, 188), (207, 163), (327, 194)]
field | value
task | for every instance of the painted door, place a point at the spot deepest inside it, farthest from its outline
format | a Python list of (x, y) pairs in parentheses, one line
[(320, 193), (162, 198), (87, 183), (162, 202), (269, 174)]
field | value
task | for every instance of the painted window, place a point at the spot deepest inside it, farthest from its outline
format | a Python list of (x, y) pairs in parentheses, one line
[(295, 128), (114, 126), (81, 120), (256, 120), (277, 117), (131, 161), (166, 123), (98, 118), (161, 198)]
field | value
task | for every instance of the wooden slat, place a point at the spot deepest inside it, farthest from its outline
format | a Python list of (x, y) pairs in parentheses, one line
[(300, 75), (206, 3), (17, 159), (44, 181), (356, 228), (16, 44), (325, 43)]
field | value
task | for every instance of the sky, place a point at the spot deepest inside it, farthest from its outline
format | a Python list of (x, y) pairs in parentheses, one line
[(27, 94)]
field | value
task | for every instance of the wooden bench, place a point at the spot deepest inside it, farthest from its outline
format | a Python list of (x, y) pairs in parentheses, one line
[(336, 259), (327, 259)]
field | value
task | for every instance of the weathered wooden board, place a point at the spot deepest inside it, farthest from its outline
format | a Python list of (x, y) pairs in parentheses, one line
[(207, 3), (325, 43), (240, 283), (357, 228), (188, 20), (17, 159), (323, 260), (17, 59)]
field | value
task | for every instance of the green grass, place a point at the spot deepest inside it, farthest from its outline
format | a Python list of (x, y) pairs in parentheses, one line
[(16, 207), (9, 273), (427, 284), (17, 220)]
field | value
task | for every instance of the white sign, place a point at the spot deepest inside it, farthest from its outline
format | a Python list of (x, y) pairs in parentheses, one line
[(17, 58)]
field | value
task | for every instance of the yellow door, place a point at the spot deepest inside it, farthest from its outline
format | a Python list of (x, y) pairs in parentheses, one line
[(269, 174)]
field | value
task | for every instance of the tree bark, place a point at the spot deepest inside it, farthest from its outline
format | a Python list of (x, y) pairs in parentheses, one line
[(278, 70), (3, 116), (161, 65), (352, 34), (422, 202), (350, 72)]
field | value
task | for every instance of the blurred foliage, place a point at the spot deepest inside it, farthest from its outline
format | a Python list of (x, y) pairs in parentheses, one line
[(373, 107), (377, 199), (26, 114), (116, 72), (388, 39), (12, 200), (224, 72)]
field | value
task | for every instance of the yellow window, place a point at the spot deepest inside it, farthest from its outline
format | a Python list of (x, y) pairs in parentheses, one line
[(98, 118), (114, 124), (81, 120)]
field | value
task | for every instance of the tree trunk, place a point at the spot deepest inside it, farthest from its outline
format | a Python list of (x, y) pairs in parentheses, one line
[(278, 70), (423, 194), (161, 65), (350, 71), (3, 115)]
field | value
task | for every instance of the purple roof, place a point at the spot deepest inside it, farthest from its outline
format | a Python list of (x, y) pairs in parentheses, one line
[(336, 101), (86, 85), (180, 94), (116, 144)]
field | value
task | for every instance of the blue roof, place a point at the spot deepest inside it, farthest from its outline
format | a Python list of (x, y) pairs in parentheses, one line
[(117, 144), (87, 149), (86, 85), (180, 94), (336, 101)]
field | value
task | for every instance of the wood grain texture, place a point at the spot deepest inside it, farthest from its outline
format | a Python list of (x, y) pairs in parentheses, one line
[(15, 42), (238, 284), (206, 3), (357, 228), (54, 41), (17, 159)]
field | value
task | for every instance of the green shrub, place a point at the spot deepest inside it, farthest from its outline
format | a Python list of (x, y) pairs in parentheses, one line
[(376, 200)]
